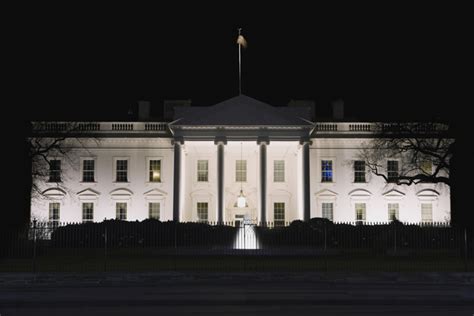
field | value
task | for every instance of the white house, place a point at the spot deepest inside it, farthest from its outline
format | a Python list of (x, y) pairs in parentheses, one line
[(195, 166)]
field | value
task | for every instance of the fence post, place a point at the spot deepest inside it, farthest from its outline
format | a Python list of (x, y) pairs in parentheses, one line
[(105, 249), (395, 238), (34, 248), (465, 248)]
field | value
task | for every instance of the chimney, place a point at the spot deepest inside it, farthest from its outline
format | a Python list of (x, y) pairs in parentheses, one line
[(338, 109), (169, 105), (144, 110)]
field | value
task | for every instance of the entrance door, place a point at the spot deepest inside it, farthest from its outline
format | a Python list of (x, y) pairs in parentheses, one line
[(239, 219)]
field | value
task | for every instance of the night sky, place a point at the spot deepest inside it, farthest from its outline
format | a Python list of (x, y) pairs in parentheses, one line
[(394, 62)]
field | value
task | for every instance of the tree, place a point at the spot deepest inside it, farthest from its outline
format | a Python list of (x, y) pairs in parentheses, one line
[(46, 142), (423, 153)]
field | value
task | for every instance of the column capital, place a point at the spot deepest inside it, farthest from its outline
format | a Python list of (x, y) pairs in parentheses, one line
[(305, 141), (263, 140), (220, 140), (177, 140)]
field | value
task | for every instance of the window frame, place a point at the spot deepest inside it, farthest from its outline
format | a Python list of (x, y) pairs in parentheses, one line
[(364, 213), (424, 213), (198, 210), (60, 171), (323, 204), (83, 159), (119, 216), (391, 178), (397, 211), (279, 172), (148, 168), (332, 170), (358, 172), (241, 171), (279, 222), (116, 159), (200, 172), (150, 203), (84, 219)]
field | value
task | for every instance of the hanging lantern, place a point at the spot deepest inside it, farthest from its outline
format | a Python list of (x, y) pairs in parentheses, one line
[(241, 200)]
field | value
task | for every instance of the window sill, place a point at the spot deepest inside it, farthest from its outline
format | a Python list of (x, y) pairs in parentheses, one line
[(121, 183)]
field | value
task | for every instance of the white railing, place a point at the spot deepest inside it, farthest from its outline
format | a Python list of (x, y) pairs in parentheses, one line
[(105, 127)]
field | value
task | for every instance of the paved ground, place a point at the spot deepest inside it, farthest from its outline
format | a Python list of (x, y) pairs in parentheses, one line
[(237, 294)]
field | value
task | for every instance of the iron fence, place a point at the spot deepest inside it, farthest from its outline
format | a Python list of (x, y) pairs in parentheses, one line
[(315, 245)]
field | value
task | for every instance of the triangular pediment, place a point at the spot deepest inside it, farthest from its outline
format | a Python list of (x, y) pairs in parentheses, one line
[(393, 193), (326, 192), (242, 111)]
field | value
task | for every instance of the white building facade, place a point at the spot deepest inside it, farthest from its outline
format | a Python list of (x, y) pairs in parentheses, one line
[(195, 167)]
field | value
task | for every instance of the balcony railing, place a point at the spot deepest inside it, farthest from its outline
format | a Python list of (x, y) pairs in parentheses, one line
[(101, 127)]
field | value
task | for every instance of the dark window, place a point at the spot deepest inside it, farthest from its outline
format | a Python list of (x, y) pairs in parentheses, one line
[(88, 170), (122, 171), (359, 171), (55, 171), (392, 170)]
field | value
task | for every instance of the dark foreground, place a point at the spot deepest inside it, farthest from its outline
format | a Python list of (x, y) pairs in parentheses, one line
[(237, 294)]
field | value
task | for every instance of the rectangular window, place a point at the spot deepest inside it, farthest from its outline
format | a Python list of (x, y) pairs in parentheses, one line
[(392, 211), (154, 171), (154, 210), (328, 210), (359, 171), (55, 171), (360, 211), (279, 214), (121, 211), (392, 170), (121, 171), (426, 212), (241, 170), (203, 170), (279, 171), (88, 170), (202, 211), (87, 212), (426, 167), (326, 170), (54, 212)]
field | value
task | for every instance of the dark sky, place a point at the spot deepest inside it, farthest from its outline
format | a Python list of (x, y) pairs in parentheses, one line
[(93, 63)]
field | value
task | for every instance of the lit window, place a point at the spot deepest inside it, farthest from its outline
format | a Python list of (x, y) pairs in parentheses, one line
[(279, 214), (360, 211), (121, 210), (393, 211), (54, 213), (359, 171), (427, 212), (202, 211), (241, 170), (88, 170), (203, 170), (279, 171), (326, 171), (154, 210), (155, 171), (87, 212), (328, 210), (122, 170), (55, 171), (392, 170)]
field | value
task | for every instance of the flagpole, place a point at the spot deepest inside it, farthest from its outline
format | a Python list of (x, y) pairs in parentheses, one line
[(240, 65)]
